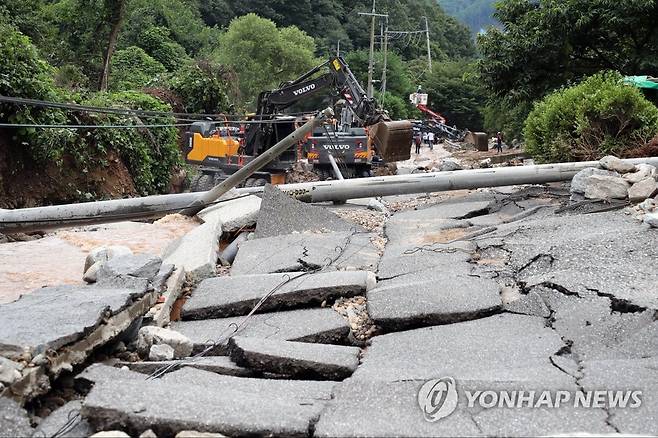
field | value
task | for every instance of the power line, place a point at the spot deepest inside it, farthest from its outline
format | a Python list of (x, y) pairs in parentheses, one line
[(36, 125)]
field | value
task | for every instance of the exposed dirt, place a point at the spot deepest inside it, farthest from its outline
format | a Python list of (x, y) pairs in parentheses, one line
[(26, 184)]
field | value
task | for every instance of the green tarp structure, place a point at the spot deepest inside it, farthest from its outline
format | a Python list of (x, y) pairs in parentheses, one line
[(642, 82)]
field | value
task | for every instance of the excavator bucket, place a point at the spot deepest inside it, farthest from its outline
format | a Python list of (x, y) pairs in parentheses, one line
[(392, 140)]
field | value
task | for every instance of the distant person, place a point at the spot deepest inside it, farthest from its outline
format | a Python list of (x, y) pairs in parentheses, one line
[(418, 141), (499, 143), (430, 139), (426, 138)]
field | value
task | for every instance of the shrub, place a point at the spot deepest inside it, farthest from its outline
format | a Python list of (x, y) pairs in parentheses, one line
[(157, 43), (600, 116), (132, 68)]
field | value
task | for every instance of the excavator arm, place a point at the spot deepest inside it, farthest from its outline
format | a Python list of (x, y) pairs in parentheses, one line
[(392, 139)]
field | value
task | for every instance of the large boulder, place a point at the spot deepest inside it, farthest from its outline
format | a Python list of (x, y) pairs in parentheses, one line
[(651, 219), (449, 165), (579, 181), (642, 171), (643, 189), (606, 187), (617, 165)]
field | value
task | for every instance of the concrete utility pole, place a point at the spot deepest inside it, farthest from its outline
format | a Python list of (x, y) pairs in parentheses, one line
[(58, 216), (385, 41), (371, 60), (427, 37)]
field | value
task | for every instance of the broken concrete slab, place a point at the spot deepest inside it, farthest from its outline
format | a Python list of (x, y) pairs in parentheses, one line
[(197, 251), (153, 335), (213, 364), (307, 325), (627, 375), (236, 295), (14, 420), (280, 214), (197, 434), (439, 298), (57, 328), (295, 359), (358, 411), (52, 424), (161, 312), (516, 348), (234, 214), (581, 255), (530, 304), (52, 317), (284, 407), (307, 251)]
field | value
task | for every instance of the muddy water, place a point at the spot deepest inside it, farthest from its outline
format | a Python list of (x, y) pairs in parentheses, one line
[(59, 257)]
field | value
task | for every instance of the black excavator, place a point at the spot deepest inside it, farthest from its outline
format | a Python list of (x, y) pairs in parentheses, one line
[(364, 132)]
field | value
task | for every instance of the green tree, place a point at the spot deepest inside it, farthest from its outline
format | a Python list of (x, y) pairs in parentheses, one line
[(202, 88), (453, 91), (600, 116), (544, 44), (133, 68), (156, 41), (263, 55)]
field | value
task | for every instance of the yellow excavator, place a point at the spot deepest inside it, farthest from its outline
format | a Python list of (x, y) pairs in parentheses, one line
[(365, 133)]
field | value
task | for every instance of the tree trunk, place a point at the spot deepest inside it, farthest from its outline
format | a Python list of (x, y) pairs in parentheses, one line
[(116, 10)]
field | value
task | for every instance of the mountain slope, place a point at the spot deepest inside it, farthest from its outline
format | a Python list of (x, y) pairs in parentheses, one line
[(476, 14)]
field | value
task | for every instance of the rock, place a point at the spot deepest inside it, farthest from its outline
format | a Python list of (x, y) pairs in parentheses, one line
[(50, 425), (197, 251), (234, 214), (579, 181), (148, 434), (214, 364), (91, 274), (642, 171), (648, 205), (160, 352), (295, 359), (651, 219), (374, 204), (133, 265), (104, 253), (642, 190), (449, 165), (10, 371), (307, 325), (606, 187), (615, 164), (110, 434), (280, 215), (233, 296), (152, 335), (14, 420)]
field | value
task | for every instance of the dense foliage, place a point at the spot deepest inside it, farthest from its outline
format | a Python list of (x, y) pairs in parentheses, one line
[(600, 116), (149, 154)]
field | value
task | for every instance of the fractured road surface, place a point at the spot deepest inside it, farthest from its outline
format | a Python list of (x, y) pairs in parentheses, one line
[(495, 292)]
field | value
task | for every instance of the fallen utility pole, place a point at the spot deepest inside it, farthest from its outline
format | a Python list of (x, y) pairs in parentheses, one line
[(322, 191), (58, 216), (258, 163)]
